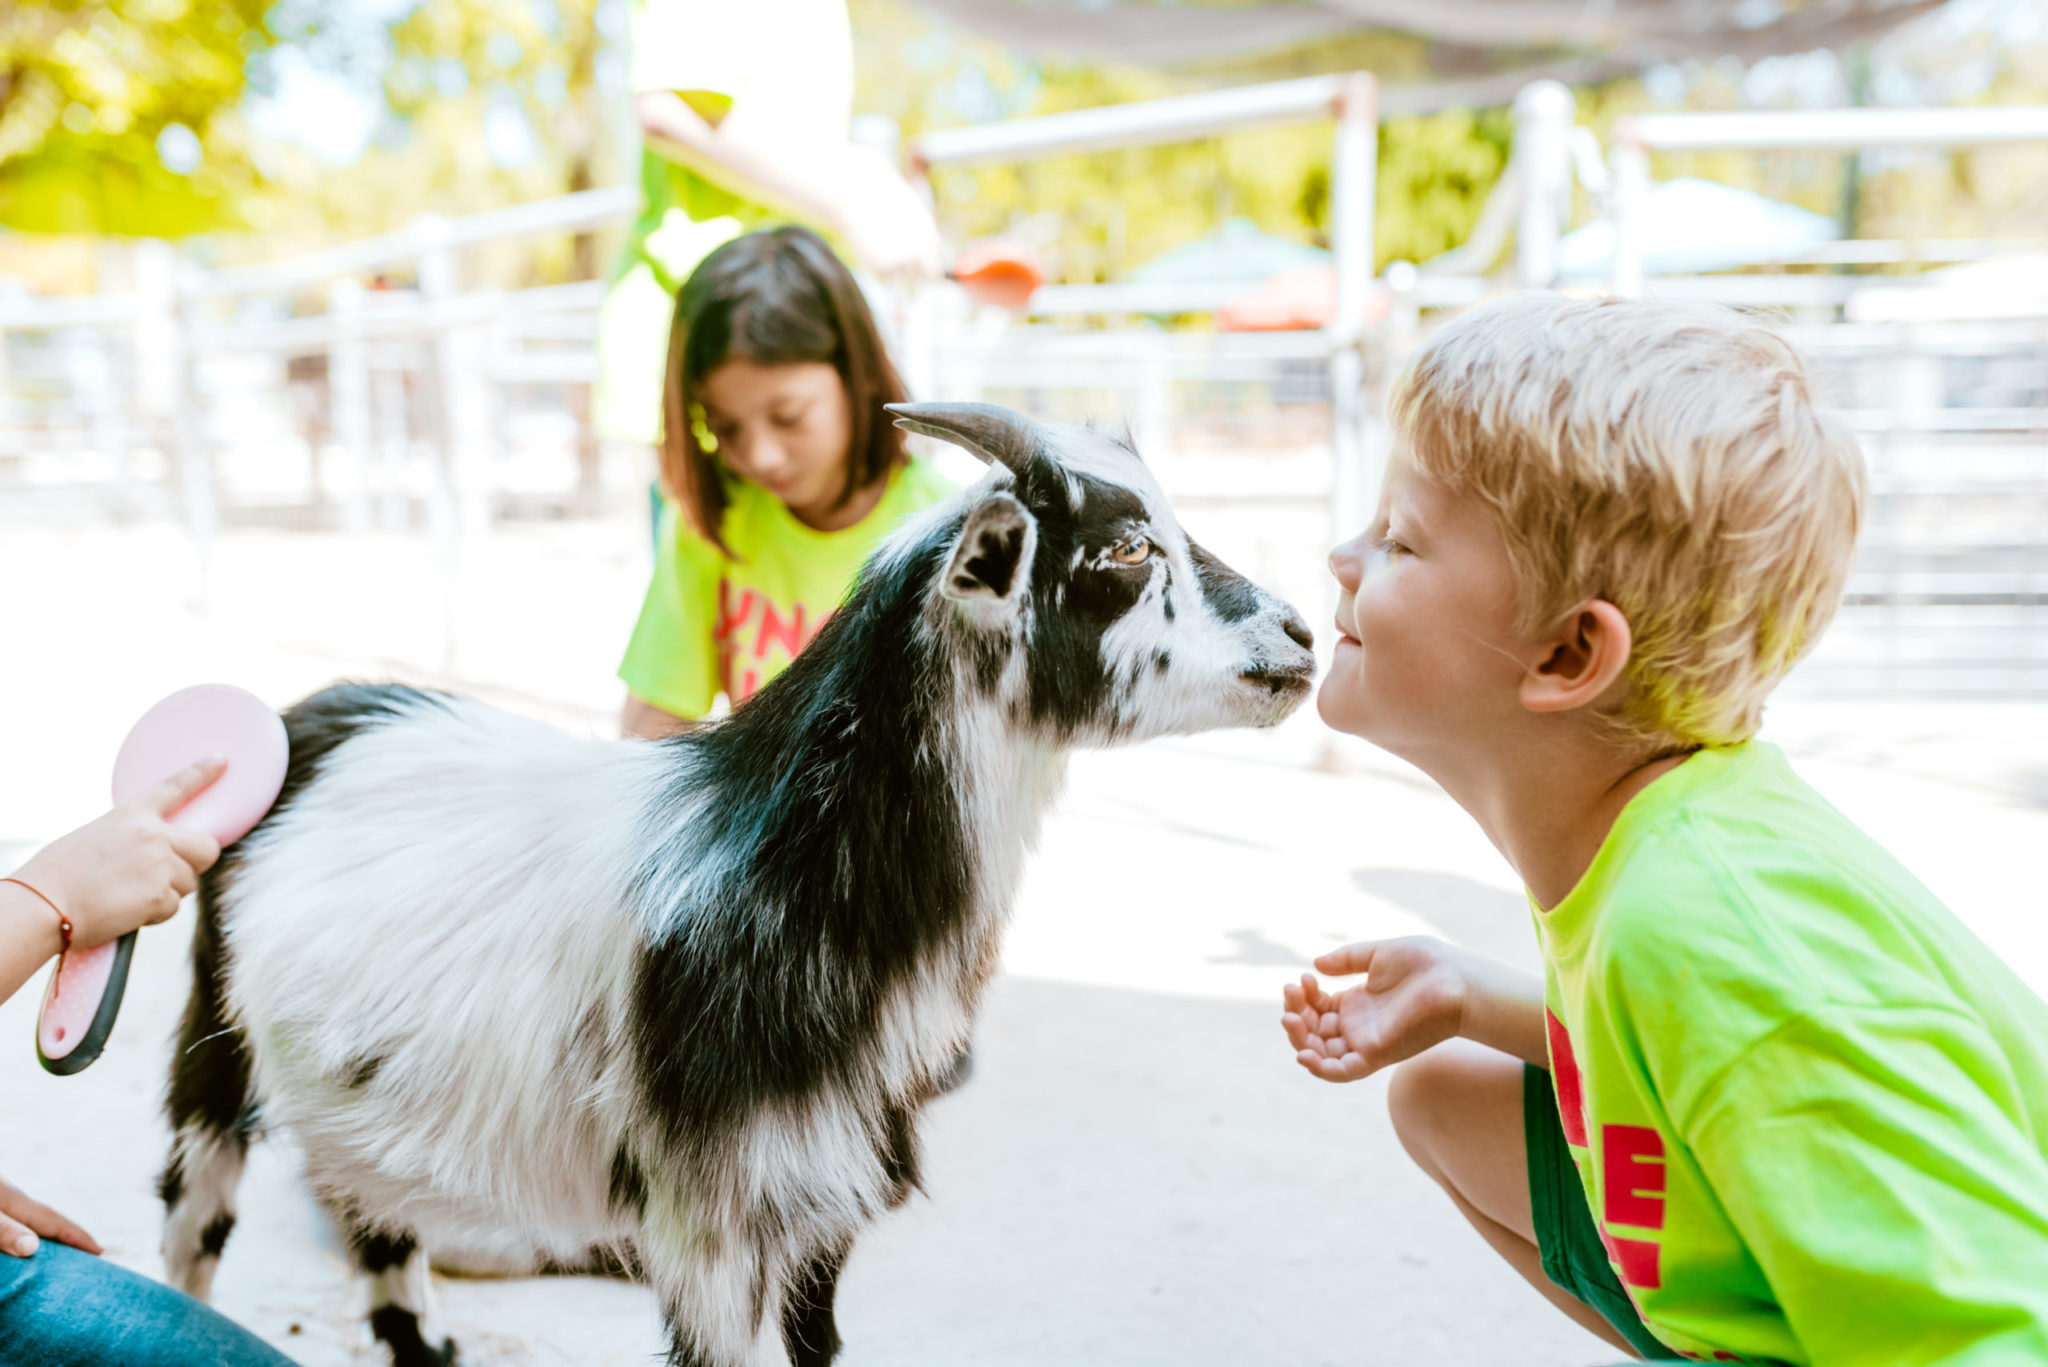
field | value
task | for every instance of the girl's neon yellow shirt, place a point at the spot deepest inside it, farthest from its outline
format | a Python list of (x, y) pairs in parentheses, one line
[(716, 624), (1808, 1106)]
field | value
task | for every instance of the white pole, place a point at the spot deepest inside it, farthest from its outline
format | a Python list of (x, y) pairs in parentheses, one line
[(187, 425), (1544, 114), (448, 516), (1630, 185), (465, 399), (348, 394), (1354, 165)]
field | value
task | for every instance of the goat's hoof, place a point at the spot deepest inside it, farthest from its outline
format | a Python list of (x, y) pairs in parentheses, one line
[(418, 1354)]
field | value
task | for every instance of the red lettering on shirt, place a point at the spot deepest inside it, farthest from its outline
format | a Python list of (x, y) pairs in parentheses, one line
[(731, 636), (728, 620), (1564, 1074), (773, 628), (1632, 1175), (1635, 1261)]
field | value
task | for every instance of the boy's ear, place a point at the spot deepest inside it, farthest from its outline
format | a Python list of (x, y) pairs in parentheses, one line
[(1587, 656), (991, 560)]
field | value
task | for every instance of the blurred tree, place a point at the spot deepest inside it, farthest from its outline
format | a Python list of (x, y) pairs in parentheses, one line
[(485, 103), (531, 67), (120, 117)]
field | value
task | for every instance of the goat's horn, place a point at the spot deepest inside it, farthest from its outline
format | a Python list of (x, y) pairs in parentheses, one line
[(999, 435)]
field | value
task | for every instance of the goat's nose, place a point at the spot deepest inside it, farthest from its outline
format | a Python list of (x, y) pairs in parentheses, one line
[(1298, 632)]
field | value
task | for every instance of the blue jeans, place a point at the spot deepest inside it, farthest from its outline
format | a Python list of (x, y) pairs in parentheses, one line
[(63, 1308)]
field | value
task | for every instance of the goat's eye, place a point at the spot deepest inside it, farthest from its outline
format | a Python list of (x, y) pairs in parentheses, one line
[(1136, 551)]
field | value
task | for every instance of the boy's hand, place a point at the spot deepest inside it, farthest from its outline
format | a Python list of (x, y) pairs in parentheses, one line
[(1417, 993), (131, 867)]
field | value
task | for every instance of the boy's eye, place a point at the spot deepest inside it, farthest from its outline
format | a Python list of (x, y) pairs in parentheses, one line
[(1136, 551), (1386, 545)]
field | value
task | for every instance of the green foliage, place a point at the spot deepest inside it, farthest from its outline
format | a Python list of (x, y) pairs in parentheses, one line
[(1435, 174), (88, 89), (451, 63)]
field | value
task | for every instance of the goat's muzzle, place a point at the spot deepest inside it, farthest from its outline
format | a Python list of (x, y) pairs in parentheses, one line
[(1290, 679), (1281, 680)]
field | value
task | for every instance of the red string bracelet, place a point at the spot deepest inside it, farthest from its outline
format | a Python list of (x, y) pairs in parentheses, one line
[(63, 922)]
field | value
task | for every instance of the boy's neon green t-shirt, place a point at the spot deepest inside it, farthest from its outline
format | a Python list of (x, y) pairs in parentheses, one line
[(715, 624), (1808, 1106)]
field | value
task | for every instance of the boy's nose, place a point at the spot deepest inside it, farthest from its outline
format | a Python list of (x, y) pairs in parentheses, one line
[(1347, 562)]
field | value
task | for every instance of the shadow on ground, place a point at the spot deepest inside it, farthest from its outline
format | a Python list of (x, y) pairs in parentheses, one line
[(1129, 1179)]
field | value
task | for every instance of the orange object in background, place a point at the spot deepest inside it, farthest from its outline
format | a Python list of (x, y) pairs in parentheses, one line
[(1290, 301), (1294, 301), (997, 272)]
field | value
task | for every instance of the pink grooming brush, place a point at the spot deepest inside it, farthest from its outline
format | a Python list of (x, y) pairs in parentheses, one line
[(85, 989)]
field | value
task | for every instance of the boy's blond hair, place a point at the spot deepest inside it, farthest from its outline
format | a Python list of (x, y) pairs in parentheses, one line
[(1666, 457)]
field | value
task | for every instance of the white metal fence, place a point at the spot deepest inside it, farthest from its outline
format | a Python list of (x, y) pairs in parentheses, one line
[(364, 386)]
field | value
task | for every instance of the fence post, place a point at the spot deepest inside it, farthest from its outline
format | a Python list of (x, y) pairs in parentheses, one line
[(348, 394), (465, 402), (187, 423), (1629, 183), (1354, 165), (460, 510), (153, 343), (1544, 114), (391, 415)]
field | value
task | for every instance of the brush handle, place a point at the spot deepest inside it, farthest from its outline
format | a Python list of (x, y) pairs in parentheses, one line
[(80, 1004)]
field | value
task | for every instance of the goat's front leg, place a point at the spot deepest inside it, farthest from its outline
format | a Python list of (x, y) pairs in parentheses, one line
[(397, 1268), (809, 1330), (713, 1287)]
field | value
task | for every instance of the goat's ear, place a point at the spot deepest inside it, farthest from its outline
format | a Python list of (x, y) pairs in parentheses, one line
[(991, 560), (1000, 436)]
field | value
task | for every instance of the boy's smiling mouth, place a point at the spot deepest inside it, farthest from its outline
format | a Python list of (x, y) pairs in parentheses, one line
[(1345, 632)]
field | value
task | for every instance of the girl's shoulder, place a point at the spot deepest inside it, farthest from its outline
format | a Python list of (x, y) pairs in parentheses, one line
[(681, 548)]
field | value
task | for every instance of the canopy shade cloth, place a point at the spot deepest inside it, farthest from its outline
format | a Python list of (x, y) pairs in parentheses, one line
[(1239, 252), (1686, 226), (1516, 40)]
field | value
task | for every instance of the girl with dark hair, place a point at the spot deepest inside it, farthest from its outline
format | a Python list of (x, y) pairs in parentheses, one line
[(781, 469)]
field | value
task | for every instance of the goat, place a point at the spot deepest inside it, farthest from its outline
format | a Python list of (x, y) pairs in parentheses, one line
[(685, 999)]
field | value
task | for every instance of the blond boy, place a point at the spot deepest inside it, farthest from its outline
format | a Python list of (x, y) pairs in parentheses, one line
[(1770, 1101)]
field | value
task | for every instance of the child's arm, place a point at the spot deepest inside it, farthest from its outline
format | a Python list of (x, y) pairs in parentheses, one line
[(128, 869), (1418, 992), (642, 720)]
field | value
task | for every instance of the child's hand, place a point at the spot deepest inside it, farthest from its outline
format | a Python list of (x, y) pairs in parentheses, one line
[(23, 1219), (1416, 994), (130, 868)]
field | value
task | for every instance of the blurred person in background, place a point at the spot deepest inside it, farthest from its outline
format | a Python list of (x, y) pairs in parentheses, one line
[(745, 111)]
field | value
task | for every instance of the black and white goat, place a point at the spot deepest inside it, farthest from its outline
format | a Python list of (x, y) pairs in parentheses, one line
[(686, 999)]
